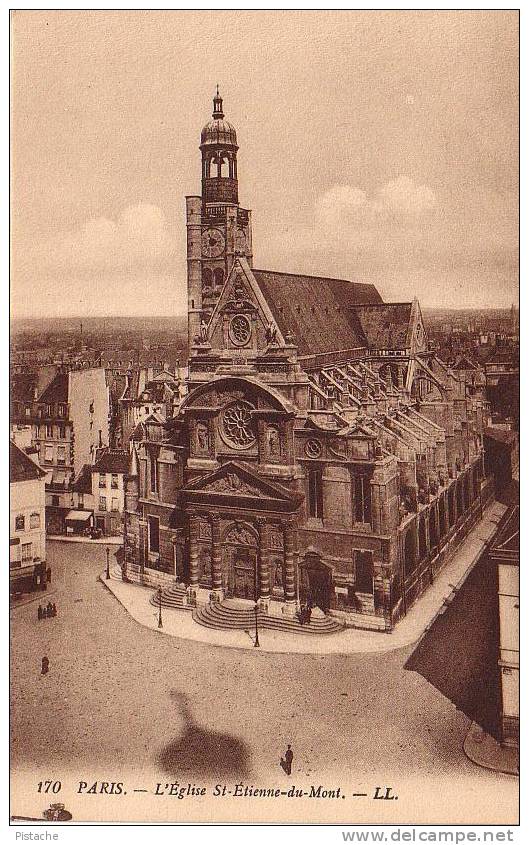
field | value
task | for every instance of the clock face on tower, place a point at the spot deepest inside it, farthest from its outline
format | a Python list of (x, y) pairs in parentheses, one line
[(213, 243)]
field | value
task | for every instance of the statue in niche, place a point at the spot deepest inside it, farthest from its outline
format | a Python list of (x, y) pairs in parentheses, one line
[(271, 333), (274, 447), (278, 575), (203, 331), (203, 437)]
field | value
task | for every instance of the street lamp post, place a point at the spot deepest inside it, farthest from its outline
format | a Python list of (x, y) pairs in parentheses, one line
[(256, 606), (160, 624), (257, 644), (108, 564)]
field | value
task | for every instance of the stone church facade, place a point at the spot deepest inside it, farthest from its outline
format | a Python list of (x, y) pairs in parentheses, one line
[(322, 452)]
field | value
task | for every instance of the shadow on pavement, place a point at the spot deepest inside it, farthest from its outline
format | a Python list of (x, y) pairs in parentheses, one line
[(200, 752)]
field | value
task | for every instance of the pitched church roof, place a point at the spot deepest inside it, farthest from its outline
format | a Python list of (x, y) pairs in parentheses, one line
[(319, 312), (57, 390), (385, 325), (22, 468)]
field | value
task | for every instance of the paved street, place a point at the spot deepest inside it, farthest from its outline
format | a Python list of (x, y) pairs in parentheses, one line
[(125, 703)]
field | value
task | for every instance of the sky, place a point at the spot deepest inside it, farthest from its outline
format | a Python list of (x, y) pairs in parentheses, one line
[(374, 146)]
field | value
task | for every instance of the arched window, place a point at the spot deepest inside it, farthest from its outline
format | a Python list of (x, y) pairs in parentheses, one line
[(207, 277), (410, 559), (460, 498), (223, 166), (218, 276), (476, 481), (432, 528), (467, 493), (422, 539), (451, 506), (442, 517)]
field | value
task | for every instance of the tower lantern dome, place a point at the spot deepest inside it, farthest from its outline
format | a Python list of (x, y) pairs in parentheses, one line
[(218, 130), (218, 145)]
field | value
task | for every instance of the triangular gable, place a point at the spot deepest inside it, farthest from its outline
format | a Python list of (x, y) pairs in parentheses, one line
[(233, 480), (164, 376), (241, 295), (416, 339)]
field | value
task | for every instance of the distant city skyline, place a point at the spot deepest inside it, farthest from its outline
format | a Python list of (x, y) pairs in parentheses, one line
[(374, 146)]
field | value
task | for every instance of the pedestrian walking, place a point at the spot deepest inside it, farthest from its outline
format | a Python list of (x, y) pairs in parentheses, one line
[(45, 666), (44, 613), (39, 612), (49, 610), (48, 575), (286, 761), (54, 609)]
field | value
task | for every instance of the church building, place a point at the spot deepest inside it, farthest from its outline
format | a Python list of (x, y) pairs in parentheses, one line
[(322, 455)]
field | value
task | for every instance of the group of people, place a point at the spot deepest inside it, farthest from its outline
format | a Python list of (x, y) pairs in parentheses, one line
[(47, 612)]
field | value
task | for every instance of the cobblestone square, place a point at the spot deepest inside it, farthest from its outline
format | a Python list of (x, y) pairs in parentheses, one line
[(123, 703)]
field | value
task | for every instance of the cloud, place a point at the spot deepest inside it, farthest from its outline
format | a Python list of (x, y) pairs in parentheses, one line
[(400, 200), (403, 196), (138, 238)]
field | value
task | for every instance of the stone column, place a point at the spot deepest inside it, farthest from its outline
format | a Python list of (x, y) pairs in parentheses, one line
[(192, 590), (289, 608), (217, 592), (264, 566)]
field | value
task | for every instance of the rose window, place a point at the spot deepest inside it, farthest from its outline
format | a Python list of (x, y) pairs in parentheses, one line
[(240, 330), (237, 425)]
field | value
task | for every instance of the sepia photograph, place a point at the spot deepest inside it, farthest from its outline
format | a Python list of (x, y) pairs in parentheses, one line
[(264, 417)]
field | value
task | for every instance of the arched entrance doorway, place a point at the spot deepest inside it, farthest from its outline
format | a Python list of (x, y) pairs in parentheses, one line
[(239, 562), (315, 582)]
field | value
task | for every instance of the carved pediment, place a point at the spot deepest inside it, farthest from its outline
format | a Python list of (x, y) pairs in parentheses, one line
[(235, 481)]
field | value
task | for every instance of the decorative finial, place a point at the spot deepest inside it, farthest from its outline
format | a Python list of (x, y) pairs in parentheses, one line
[(217, 105)]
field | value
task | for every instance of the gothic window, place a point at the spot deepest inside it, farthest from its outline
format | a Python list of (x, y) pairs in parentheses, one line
[(218, 276), (240, 330), (237, 425), (410, 561), (315, 493), (451, 506), (154, 474), (154, 533), (442, 516), (362, 499), (432, 526), (422, 539), (207, 277)]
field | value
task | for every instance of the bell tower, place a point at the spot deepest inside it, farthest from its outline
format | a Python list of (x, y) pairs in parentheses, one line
[(218, 229), (218, 145)]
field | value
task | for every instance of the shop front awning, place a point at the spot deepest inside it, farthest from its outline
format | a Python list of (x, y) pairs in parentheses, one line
[(78, 516)]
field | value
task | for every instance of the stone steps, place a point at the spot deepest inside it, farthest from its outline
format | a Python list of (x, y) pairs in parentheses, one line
[(173, 596), (228, 617)]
